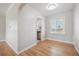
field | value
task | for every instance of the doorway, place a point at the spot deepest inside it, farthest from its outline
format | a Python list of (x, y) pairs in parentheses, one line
[(40, 29)]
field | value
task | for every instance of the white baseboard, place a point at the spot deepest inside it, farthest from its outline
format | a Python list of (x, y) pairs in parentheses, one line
[(21, 50), (12, 47), (66, 42), (27, 48), (60, 41), (76, 48)]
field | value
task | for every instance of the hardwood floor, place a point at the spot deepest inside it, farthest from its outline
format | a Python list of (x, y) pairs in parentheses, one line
[(43, 48), (51, 48), (5, 50)]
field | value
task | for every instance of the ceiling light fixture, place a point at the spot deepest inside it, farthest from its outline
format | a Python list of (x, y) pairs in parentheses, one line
[(51, 6)]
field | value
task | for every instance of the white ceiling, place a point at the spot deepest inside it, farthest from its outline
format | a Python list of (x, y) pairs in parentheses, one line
[(4, 7), (41, 7)]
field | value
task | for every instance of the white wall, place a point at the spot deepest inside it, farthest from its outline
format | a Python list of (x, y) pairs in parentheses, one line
[(2, 27), (27, 27), (76, 27), (21, 26), (68, 27), (11, 26)]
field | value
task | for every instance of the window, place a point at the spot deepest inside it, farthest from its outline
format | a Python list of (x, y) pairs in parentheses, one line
[(58, 25)]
